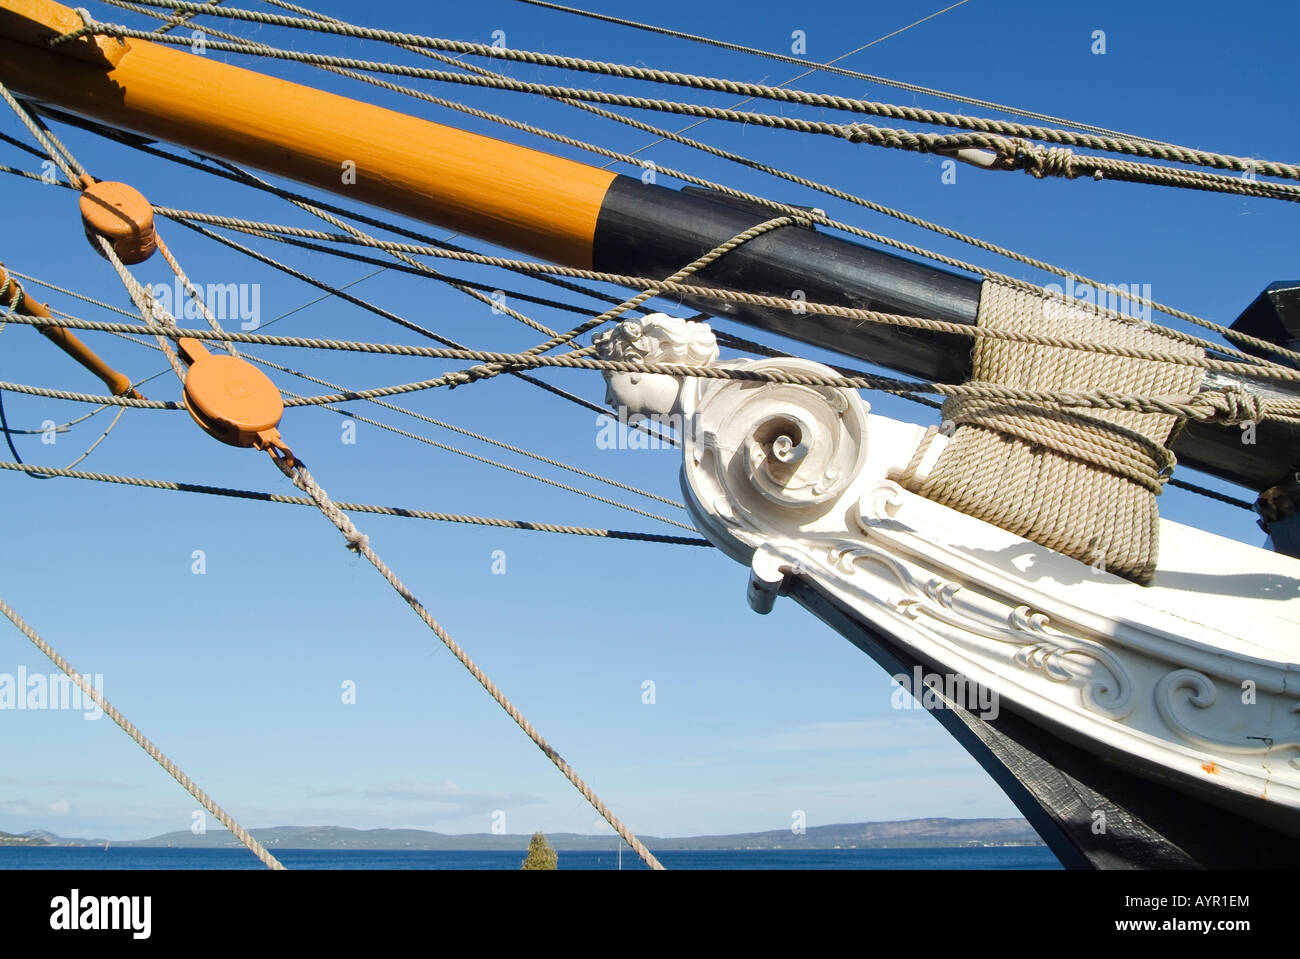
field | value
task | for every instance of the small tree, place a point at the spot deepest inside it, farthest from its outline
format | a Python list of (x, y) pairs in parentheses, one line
[(540, 854)]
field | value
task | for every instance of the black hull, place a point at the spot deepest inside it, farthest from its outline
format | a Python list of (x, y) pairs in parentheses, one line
[(1061, 788)]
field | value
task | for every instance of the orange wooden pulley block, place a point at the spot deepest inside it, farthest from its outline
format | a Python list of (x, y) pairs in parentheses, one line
[(232, 400), (121, 215)]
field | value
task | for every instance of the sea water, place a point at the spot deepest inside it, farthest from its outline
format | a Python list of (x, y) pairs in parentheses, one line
[(129, 857)]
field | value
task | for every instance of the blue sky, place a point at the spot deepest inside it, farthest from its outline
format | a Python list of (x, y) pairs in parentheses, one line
[(237, 673)]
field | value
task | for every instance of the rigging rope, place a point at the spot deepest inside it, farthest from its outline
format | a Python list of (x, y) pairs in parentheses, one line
[(386, 314), (265, 230), (780, 207), (179, 19), (401, 511), (504, 466), (296, 471), (533, 476), (812, 65), (478, 436), (79, 179), (819, 217), (14, 292), (207, 314), (723, 338), (488, 371), (270, 261), (1212, 494), (187, 219), (670, 173), (194, 293), (563, 394), (85, 454), (1143, 148), (255, 847), (1012, 153), (905, 216), (1261, 368), (1226, 407), (432, 420), (419, 267), (1221, 406), (9, 439), (227, 172), (675, 136), (360, 543), (816, 215)]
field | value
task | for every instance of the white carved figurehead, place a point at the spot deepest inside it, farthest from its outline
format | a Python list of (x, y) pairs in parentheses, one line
[(657, 338)]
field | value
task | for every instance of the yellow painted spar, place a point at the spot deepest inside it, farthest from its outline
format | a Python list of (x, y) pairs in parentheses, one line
[(118, 383), (523, 199)]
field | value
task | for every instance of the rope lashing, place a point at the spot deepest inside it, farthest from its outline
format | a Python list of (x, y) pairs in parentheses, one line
[(1232, 407), (1040, 161), (1084, 485), (1107, 446)]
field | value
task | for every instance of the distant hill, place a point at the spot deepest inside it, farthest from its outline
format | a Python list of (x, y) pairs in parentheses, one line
[(27, 839), (913, 833), (923, 833)]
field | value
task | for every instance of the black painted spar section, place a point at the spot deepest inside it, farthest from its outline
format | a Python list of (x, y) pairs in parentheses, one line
[(644, 229), (649, 230)]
